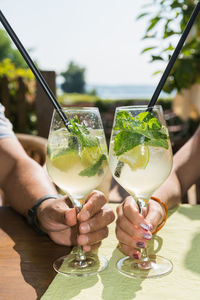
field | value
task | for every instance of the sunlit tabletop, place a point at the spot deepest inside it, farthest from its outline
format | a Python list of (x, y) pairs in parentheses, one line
[(26, 264), (179, 241)]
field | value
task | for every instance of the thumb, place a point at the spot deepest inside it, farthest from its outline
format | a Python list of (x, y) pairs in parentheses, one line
[(57, 217), (154, 214), (70, 217), (65, 216)]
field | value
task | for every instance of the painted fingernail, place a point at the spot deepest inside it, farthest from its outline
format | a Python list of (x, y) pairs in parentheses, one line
[(84, 228), (147, 236), (140, 245), (85, 215), (136, 256), (144, 226), (150, 227)]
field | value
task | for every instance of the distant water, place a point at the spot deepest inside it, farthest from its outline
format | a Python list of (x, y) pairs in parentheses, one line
[(125, 91)]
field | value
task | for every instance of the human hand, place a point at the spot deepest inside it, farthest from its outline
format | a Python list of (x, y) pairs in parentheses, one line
[(59, 220), (134, 229)]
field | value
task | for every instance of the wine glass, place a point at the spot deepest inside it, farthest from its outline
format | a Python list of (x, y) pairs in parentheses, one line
[(77, 162), (140, 159)]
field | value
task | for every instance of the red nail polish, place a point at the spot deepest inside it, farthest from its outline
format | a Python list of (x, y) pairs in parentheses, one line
[(135, 255)]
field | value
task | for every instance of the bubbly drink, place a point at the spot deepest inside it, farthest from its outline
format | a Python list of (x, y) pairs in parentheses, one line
[(74, 169), (143, 170)]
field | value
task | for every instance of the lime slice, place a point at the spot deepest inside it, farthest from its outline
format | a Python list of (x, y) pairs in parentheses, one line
[(66, 160), (90, 155), (136, 158)]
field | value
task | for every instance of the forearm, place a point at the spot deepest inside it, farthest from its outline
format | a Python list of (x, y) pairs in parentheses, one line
[(26, 183), (170, 192)]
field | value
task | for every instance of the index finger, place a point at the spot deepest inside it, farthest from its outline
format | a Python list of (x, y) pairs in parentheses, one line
[(95, 201), (131, 211)]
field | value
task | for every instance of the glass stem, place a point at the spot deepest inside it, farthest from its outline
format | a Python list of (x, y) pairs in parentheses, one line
[(142, 205), (80, 254)]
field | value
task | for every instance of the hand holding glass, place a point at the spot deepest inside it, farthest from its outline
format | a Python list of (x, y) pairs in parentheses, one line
[(140, 159), (77, 163)]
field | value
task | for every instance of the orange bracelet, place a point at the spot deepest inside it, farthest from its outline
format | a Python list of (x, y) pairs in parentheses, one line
[(165, 217)]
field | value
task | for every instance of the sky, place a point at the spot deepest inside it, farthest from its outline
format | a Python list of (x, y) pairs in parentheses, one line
[(101, 35)]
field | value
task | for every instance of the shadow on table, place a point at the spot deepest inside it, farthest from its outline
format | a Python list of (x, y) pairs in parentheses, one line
[(117, 286), (70, 287), (37, 253), (189, 212), (192, 257)]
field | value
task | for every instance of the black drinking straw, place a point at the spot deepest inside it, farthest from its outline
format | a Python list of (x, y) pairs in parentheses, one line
[(34, 69), (174, 57)]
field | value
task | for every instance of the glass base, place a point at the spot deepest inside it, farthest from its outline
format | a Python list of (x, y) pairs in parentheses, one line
[(69, 265), (156, 266)]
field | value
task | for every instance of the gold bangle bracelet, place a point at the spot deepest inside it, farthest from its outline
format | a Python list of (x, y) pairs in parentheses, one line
[(165, 217)]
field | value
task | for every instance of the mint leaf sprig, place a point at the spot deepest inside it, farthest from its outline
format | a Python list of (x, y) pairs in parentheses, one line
[(82, 134), (95, 168), (133, 131), (87, 141)]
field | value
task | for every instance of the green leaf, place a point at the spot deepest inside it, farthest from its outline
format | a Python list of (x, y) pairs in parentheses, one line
[(126, 140), (169, 48), (142, 15), (133, 131), (176, 4), (122, 120), (147, 49), (156, 57), (153, 23), (157, 72), (168, 33), (163, 143), (94, 169), (82, 134)]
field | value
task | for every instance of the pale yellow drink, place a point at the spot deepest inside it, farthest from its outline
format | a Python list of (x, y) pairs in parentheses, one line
[(66, 165), (144, 169)]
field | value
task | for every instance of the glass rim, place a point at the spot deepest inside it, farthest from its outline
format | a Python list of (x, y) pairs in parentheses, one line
[(137, 107), (76, 108)]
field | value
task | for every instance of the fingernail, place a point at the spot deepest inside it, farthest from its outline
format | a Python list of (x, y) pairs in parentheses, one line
[(140, 245), (84, 228), (85, 215), (83, 240), (144, 226), (136, 256), (150, 227), (147, 236)]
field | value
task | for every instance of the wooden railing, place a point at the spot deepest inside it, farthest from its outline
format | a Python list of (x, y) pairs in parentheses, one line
[(20, 109)]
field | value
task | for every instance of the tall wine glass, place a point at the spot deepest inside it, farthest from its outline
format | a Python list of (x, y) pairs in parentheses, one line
[(140, 159), (77, 162)]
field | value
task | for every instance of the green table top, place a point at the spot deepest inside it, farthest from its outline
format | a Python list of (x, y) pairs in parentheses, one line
[(179, 241)]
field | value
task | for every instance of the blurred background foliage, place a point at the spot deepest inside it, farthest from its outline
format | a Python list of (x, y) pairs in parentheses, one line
[(18, 84), (7, 51), (166, 20), (74, 79)]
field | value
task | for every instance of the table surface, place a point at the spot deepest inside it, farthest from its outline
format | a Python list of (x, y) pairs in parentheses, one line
[(179, 241), (26, 264), (25, 258)]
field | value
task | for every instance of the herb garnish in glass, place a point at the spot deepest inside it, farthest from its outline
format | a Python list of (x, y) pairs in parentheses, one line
[(140, 159), (77, 162)]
